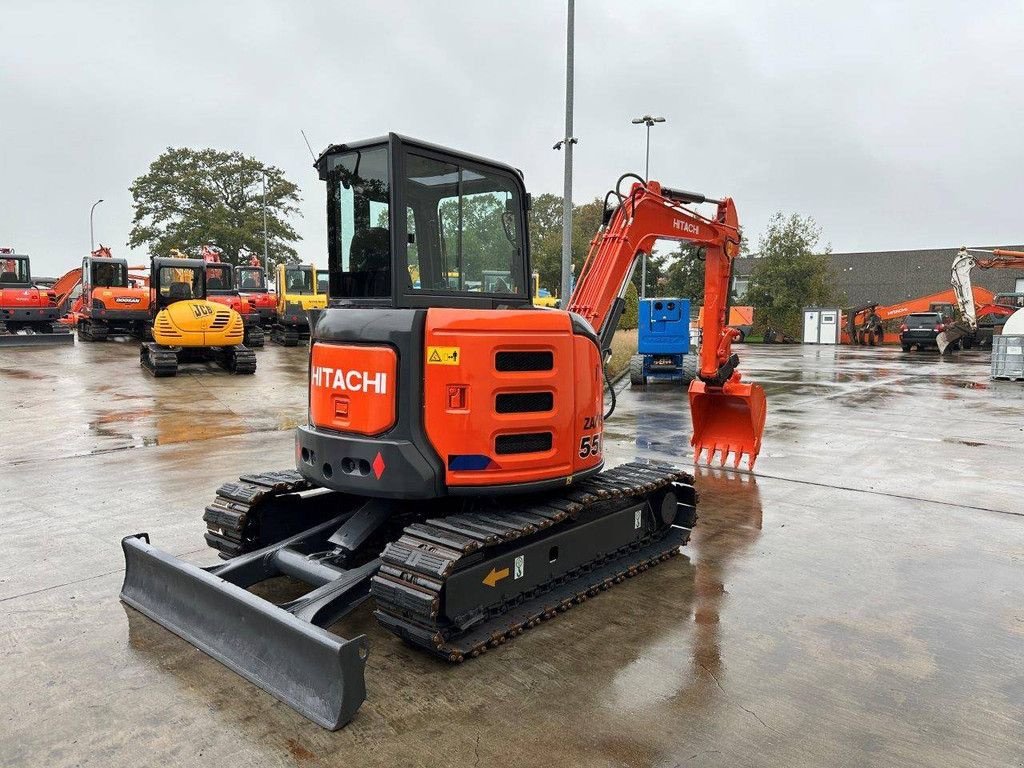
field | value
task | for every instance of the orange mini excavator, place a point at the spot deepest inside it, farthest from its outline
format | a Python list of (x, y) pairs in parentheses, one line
[(452, 468)]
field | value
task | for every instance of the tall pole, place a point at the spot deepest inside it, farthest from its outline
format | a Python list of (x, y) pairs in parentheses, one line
[(649, 122), (647, 177), (266, 260), (568, 142), (92, 239), (647, 160)]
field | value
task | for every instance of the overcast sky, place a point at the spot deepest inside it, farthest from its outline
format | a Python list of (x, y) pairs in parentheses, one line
[(895, 125)]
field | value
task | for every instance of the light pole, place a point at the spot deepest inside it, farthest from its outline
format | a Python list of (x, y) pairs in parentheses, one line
[(649, 122), (266, 261), (567, 142), (92, 240)]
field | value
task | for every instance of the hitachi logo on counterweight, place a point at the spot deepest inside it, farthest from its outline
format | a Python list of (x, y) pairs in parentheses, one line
[(349, 381)]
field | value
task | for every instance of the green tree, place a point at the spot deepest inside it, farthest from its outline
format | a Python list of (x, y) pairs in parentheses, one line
[(684, 274), (792, 272), (191, 197), (546, 236), (546, 240), (630, 317)]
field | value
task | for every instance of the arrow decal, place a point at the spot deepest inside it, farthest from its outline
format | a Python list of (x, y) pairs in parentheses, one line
[(492, 578)]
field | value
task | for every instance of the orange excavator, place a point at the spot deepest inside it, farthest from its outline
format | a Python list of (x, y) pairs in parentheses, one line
[(870, 324), (971, 312), (28, 312), (101, 300), (452, 469)]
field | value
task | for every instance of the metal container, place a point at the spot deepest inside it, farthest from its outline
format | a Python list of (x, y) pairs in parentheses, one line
[(1008, 358)]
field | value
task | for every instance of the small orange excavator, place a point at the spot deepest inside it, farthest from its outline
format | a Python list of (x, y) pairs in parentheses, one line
[(28, 312), (451, 469), (107, 303)]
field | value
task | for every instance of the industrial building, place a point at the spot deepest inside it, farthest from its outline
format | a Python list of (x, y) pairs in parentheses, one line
[(891, 276)]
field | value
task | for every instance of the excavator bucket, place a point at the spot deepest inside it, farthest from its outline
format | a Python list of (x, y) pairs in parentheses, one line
[(727, 420), (951, 336)]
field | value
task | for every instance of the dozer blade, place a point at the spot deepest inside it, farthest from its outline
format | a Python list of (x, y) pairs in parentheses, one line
[(950, 336), (727, 420), (308, 668)]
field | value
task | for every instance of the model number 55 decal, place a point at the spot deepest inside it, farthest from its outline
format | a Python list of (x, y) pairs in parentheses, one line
[(590, 446)]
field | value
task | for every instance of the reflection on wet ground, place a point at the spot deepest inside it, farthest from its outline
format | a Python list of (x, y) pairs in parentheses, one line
[(109, 403), (852, 602)]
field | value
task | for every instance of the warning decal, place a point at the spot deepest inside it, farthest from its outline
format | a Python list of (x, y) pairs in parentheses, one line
[(442, 355)]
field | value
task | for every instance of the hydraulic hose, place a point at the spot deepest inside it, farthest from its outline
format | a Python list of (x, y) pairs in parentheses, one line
[(611, 389)]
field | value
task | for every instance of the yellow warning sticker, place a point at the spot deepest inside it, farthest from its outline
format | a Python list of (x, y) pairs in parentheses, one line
[(442, 355)]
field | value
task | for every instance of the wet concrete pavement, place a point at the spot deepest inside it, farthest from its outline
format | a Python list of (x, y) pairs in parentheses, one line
[(859, 600)]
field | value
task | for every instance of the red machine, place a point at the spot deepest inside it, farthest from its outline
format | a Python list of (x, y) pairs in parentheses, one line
[(27, 312), (108, 303), (451, 469), (221, 288), (873, 324), (252, 285)]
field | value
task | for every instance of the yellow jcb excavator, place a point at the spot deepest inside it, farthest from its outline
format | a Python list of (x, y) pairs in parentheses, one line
[(187, 327)]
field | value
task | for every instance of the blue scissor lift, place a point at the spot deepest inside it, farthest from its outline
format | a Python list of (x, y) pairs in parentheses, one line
[(663, 342)]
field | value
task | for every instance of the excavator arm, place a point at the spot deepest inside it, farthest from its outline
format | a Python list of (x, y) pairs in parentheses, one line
[(963, 264), (728, 415)]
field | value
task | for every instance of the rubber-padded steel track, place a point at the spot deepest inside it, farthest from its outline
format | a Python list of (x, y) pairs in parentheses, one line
[(287, 335), (90, 331), (239, 359), (412, 588), (159, 360), (232, 520), (254, 338), (415, 578)]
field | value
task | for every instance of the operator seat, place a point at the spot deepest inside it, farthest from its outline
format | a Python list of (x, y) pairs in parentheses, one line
[(214, 284), (370, 263), (179, 292)]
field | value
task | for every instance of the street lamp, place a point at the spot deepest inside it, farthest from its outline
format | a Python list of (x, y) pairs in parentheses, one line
[(649, 122), (266, 261), (92, 240)]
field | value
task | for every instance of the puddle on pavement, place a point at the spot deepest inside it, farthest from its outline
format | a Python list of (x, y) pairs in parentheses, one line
[(730, 523)]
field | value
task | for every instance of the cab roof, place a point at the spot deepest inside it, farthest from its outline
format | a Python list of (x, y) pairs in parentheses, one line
[(398, 140)]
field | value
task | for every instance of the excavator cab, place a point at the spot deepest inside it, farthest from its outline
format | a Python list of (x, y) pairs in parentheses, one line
[(461, 241), (174, 280)]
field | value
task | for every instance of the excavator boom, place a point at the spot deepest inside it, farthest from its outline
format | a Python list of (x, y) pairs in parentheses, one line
[(728, 415)]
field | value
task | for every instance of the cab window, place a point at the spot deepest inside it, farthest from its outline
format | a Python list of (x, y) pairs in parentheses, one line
[(299, 281), (109, 275), (359, 224), (181, 283), (13, 271), (465, 231), (218, 278), (251, 279)]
